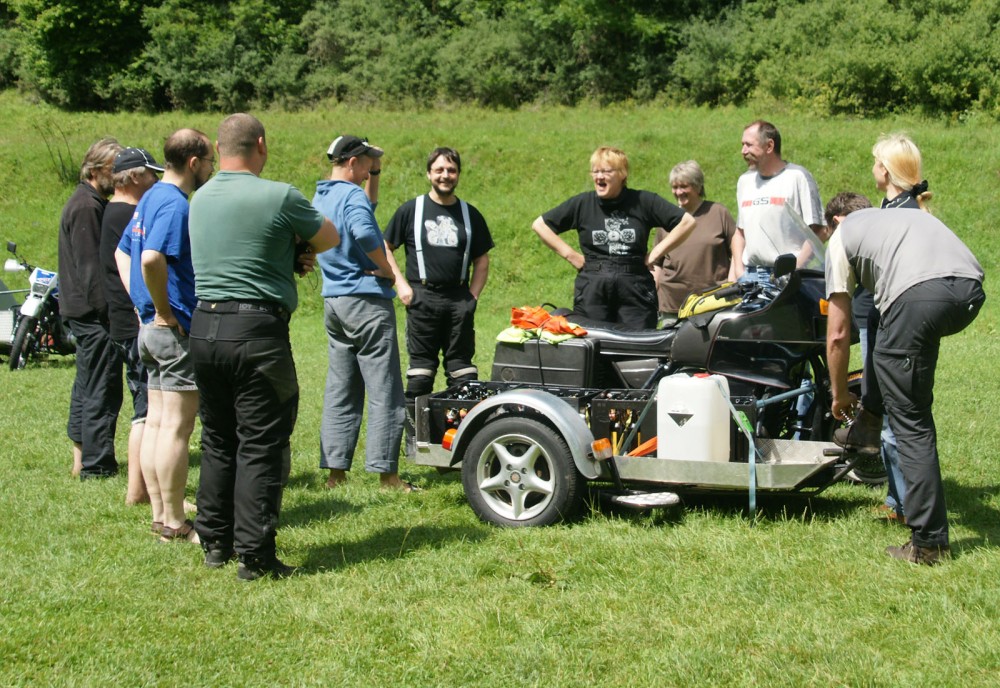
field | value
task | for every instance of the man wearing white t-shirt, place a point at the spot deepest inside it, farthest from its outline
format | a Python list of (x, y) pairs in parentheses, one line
[(774, 198)]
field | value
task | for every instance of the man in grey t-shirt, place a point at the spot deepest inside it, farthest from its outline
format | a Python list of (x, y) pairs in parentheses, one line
[(927, 285)]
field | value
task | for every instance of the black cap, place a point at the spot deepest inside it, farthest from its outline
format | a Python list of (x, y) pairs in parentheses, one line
[(345, 147), (130, 158)]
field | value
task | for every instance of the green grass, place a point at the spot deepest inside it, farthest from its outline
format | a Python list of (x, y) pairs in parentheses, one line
[(411, 589)]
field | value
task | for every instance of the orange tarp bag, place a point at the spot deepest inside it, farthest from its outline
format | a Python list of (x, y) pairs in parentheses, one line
[(534, 317)]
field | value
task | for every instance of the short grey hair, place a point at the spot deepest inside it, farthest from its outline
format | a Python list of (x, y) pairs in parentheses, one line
[(689, 172)]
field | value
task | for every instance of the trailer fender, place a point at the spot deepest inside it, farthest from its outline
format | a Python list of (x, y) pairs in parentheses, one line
[(561, 415)]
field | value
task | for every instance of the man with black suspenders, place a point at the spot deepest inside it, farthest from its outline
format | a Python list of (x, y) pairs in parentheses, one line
[(444, 236)]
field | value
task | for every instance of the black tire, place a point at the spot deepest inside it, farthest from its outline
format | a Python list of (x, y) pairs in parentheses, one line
[(24, 342), (519, 472)]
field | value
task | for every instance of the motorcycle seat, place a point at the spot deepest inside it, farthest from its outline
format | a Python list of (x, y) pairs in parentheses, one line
[(621, 341)]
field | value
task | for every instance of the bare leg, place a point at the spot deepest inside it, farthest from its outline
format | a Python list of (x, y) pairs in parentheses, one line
[(77, 460), (176, 426), (147, 454), (136, 492)]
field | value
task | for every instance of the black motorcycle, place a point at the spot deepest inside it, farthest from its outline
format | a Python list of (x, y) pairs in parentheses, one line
[(769, 344)]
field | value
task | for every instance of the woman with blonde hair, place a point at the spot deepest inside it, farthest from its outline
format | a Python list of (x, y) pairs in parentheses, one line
[(898, 172), (614, 222)]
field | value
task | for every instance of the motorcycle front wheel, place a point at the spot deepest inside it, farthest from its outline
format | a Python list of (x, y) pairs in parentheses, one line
[(25, 341)]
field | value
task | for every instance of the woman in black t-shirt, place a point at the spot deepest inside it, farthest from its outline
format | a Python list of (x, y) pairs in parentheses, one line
[(614, 284)]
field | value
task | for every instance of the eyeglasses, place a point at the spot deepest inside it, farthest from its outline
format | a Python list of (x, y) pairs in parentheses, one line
[(210, 161)]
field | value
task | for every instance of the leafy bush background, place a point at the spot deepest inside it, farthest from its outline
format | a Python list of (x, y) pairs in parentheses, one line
[(863, 57)]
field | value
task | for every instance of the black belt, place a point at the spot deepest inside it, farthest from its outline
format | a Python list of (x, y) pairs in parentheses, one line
[(632, 267), (270, 307), (440, 286)]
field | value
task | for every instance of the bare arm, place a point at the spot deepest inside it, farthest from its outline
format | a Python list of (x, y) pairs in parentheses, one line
[(326, 237), (403, 288), (675, 237), (371, 186), (124, 262), (154, 274), (739, 245), (838, 353), (821, 231), (383, 269), (480, 272), (732, 259), (561, 248)]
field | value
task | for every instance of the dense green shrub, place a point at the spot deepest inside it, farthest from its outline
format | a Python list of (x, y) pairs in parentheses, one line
[(849, 56), (827, 56), (68, 51)]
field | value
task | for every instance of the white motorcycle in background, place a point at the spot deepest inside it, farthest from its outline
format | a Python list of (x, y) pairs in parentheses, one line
[(35, 327)]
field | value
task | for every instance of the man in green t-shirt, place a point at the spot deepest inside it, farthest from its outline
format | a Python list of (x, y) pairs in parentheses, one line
[(245, 235)]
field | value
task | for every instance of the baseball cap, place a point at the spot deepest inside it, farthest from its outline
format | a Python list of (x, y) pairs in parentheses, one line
[(344, 147), (130, 158)]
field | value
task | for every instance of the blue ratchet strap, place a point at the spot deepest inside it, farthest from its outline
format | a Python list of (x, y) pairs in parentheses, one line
[(743, 423)]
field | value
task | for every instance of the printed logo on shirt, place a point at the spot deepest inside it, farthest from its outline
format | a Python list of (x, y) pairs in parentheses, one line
[(442, 231), (764, 200), (616, 235)]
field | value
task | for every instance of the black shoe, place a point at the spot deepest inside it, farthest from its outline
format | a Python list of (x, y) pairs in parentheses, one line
[(915, 554), (217, 556), (252, 569), (862, 435)]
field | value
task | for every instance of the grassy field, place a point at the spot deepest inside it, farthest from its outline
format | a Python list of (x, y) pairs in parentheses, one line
[(411, 589)]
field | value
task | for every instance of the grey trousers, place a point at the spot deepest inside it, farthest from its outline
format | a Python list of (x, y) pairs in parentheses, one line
[(363, 358)]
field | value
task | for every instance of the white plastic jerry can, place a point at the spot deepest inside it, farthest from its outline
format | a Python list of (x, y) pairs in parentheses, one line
[(692, 418)]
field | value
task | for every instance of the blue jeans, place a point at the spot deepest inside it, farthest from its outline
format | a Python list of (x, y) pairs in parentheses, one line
[(890, 454), (756, 273), (363, 358)]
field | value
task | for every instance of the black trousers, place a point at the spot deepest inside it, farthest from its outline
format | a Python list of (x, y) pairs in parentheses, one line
[(439, 321), (616, 294), (96, 397), (249, 400), (904, 362)]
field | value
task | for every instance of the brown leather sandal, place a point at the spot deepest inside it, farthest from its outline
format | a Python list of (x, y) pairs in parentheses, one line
[(185, 533)]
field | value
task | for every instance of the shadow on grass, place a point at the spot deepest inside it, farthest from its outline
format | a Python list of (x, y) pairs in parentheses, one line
[(779, 507), (324, 506), (387, 544), (972, 508)]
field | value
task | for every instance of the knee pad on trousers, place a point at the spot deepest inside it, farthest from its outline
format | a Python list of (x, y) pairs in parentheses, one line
[(463, 375)]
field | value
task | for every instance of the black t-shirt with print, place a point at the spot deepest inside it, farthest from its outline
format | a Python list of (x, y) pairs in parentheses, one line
[(443, 239), (617, 227)]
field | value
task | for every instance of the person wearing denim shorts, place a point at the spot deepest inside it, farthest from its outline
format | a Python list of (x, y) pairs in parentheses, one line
[(154, 261)]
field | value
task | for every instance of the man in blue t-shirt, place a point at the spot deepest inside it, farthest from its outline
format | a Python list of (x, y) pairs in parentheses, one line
[(154, 260), (360, 322)]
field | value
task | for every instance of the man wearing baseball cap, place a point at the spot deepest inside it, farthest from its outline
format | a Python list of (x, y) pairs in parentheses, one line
[(360, 321), (134, 172)]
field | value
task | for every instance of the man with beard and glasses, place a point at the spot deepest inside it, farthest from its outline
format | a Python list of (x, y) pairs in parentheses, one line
[(154, 261)]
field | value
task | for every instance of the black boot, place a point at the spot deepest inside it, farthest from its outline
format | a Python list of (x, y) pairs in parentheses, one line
[(862, 435)]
